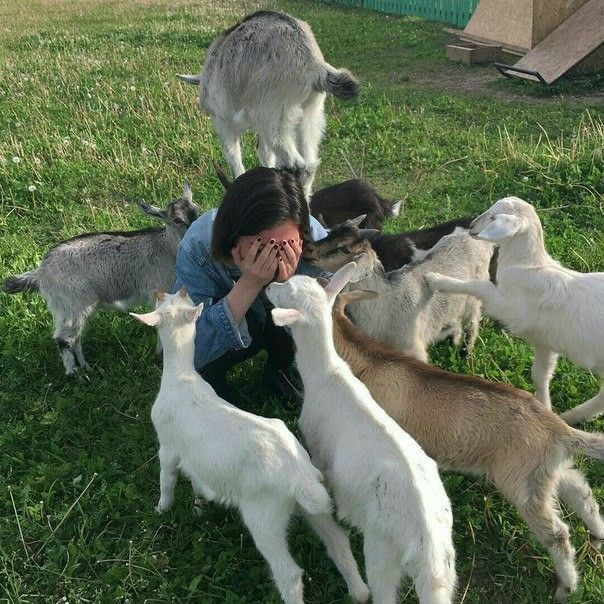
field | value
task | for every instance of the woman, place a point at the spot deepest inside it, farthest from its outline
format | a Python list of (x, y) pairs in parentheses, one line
[(226, 259)]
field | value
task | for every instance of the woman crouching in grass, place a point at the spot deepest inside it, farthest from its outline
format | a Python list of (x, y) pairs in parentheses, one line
[(226, 259)]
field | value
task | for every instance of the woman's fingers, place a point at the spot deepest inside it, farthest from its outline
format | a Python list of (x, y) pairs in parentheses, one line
[(290, 253), (252, 253), (282, 272), (269, 263)]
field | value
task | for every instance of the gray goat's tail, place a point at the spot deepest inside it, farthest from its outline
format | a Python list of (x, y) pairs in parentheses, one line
[(189, 79), (25, 282), (340, 83)]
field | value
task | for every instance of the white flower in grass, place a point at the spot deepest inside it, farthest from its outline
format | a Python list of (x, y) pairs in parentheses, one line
[(133, 88), (31, 188), (16, 159), (37, 161)]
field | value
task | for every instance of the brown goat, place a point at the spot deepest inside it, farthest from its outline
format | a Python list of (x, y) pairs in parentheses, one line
[(468, 424)]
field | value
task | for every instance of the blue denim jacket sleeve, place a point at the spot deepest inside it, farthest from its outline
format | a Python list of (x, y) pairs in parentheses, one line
[(216, 331)]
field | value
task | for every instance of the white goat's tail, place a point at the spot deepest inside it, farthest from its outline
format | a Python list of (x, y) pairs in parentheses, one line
[(338, 82), (189, 79), (313, 496)]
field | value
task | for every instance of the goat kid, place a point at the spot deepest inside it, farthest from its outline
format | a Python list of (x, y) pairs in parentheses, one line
[(393, 249), (267, 74), (383, 483), (467, 424), (558, 310), (236, 458), (406, 315), (336, 204), (110, 270)]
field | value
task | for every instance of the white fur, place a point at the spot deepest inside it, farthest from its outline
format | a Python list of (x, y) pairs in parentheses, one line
[(406, 315), (268, 75), (383, 482), (237, 458), (558, 310)]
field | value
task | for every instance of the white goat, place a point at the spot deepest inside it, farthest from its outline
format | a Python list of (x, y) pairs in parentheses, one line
[(383, 482), (558, 310), (267, 74), (406, 315), (237, 458)]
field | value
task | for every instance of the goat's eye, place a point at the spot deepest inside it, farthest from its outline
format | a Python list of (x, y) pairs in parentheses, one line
[(344, 249), (179, 221)]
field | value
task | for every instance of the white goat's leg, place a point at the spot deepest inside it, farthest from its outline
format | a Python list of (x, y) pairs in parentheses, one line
[(231, 148), (494, 303), (267, 521), (283, 139), (383, 563), (575, 492), (336, 541), (310, 133), (265, 152), (168, 463), (544, 365), (472, 327), (585, 411)]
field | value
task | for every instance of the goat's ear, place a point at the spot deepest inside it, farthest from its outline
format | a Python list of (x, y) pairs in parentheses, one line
[(194, 313), (395, 208), (357, 221), (154, 211), (187, 194), (340, 279), (222, 177), (356, 295), (150, 318), (285, 316), (504, 226)]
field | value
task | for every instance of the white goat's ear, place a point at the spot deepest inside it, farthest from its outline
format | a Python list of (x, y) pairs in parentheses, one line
[(187, 194), (358, 220), (285, 316), (340, 279), (504, 226), (150, 318), (194, 313), (395, 208)]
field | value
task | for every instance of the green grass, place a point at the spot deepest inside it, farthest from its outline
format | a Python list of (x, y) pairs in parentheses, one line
[(90, 107)]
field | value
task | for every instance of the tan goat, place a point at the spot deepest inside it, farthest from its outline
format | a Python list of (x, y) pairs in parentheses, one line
[(468, 424)]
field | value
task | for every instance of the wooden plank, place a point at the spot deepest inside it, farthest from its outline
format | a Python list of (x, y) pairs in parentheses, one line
[(580, 35)]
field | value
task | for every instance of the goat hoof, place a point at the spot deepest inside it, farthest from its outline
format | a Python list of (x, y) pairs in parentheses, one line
[(562, 593), (160, 509), (198, 507), (361, 594), (596, 542)]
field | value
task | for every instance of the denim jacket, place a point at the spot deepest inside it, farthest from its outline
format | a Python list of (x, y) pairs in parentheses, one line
[(209, 282)]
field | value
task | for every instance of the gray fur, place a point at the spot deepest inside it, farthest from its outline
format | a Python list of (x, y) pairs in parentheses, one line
[(267, 74), (114, 270)]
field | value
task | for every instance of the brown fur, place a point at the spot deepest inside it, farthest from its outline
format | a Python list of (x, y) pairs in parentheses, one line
[(471, 425)]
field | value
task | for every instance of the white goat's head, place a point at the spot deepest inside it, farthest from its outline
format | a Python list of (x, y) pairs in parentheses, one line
[(302, 300), (504, 219), (173, 310)]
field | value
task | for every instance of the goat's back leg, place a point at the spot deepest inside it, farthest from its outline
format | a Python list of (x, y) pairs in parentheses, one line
[(336, 541), (575, 492), (544, 521), (544, 365), (383, 563), (309, 134), (264, 151), (231, 147), (472, 327), (68, 328), (267, 522), (168, 474), (585, 411)]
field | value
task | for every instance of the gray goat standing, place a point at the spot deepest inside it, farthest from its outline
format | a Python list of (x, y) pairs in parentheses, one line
[(111, 270), (267, 74)]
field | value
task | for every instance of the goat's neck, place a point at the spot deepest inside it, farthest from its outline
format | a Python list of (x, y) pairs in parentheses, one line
[(315, 350), (525, 248), (349, 351), (178, 351), (172, 239)]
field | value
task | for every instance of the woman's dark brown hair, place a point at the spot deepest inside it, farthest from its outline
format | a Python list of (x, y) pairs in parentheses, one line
[(259, 199)]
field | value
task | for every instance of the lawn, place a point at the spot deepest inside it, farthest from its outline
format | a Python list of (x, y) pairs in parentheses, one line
[(92, 119)]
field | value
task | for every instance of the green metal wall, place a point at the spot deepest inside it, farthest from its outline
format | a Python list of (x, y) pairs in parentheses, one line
[(456, 12)]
